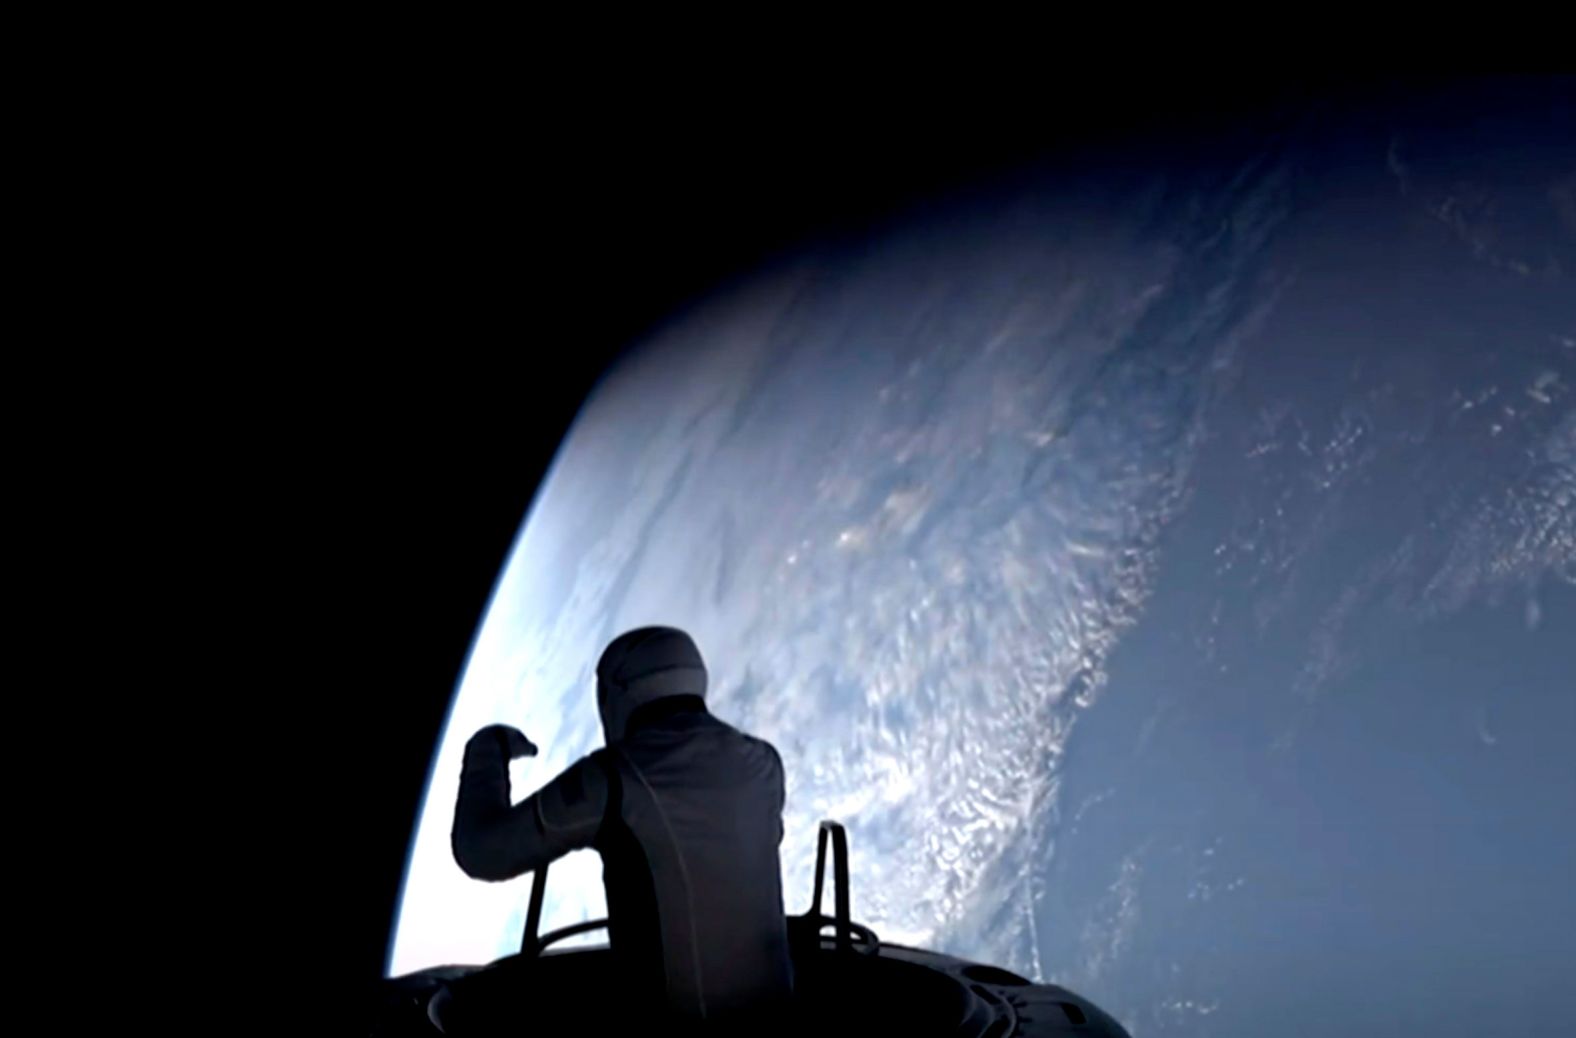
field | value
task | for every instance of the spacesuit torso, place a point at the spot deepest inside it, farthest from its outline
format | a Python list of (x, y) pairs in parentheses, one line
[(690, 863)]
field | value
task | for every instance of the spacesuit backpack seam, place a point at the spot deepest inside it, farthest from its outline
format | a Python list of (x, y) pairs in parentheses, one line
[(613, 810)]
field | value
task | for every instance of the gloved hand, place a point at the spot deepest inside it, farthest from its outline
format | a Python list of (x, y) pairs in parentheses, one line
[(512, 741)]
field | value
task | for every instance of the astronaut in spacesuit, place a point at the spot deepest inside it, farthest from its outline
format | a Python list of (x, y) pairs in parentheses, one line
[(686, 812)]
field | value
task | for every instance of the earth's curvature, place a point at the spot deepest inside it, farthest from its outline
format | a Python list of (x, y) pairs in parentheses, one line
[(1164, 566)]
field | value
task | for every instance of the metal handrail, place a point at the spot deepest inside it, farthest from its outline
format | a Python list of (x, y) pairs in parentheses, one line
[(532, 945), (533, 913), (564, 932), (846, 928)]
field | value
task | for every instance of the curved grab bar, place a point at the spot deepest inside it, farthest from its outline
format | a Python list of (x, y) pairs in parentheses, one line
[(847, 929), (564, 932)]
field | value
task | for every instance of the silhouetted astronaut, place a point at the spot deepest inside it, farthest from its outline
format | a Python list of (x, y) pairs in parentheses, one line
[(686, 812)]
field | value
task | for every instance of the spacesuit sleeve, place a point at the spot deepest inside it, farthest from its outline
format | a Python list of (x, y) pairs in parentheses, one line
[(494, 840)]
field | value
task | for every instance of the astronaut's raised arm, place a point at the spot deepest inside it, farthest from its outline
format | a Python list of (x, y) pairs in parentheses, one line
[(493, 840)]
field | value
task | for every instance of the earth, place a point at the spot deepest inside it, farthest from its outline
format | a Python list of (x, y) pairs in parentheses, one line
[(1163, 564)]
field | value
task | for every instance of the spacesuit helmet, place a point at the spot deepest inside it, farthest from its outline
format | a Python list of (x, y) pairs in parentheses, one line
[(642, 666)]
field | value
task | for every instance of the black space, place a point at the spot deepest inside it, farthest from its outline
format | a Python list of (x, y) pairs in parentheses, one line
[(439, 273)]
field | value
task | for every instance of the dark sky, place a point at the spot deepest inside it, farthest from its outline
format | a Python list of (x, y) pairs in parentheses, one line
[(453, 263)]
